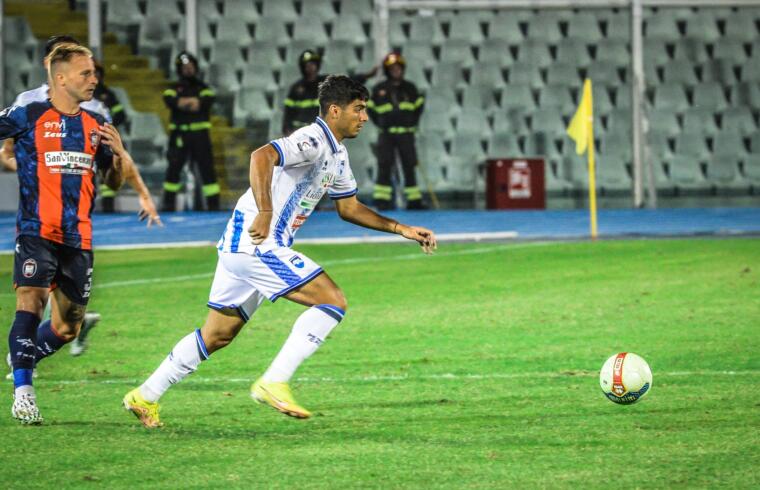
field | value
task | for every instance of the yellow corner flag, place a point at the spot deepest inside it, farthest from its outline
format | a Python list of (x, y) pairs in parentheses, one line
[(581, 130)]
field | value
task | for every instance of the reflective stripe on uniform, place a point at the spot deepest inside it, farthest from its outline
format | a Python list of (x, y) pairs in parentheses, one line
[(382, 192), (301, 104), (211, 189), (170, 92), (402, 130), (413, 193), (106, 191), (117, 108), (381, 109), (172, 186), (411, 106), (207, 92), (196, 126)]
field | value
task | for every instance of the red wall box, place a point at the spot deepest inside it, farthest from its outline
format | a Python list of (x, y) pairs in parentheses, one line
[(515, 183)]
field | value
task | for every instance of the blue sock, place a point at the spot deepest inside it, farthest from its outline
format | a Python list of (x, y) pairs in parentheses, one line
[(22, 341), (47, 341)]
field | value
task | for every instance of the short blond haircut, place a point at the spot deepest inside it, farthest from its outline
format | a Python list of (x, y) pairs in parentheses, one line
[(63, 53)]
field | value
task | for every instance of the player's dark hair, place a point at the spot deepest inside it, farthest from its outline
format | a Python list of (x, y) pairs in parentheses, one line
[(341, 91), (53, 41)]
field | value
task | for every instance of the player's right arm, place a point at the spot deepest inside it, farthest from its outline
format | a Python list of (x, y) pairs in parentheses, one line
[(12, 123), (263, 162)]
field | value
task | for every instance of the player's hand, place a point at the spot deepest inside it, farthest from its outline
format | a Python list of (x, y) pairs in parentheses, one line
[(111, 137), (423, 236), (148, 210), (259, 230)]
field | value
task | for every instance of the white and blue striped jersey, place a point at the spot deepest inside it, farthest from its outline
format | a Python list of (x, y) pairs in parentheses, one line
[(40, 94), (311, 164)]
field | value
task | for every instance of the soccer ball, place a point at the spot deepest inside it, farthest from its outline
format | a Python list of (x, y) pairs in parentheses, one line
[(625, 378)]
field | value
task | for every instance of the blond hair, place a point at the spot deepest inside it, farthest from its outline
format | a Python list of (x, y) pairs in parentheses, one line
[(63, 53)]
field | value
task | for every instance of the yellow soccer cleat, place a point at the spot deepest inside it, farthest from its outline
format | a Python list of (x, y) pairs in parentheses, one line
[(279, 397), (144, 410)]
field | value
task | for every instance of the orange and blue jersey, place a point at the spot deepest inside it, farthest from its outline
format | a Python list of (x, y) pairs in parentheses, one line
[(57, 156)]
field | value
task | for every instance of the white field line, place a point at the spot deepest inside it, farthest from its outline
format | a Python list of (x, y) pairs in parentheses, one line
[(420, 377), (326, 263)]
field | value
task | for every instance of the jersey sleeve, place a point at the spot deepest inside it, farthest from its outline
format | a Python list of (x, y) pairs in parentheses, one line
[(13, 122), (344, 185), (298, 149)]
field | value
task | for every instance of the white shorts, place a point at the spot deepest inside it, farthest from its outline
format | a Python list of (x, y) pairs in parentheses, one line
[(242, 281)]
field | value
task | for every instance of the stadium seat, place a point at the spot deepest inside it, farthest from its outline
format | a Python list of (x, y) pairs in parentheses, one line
[(539, 144), (419, 52), (227, 52), (348, 27), (557, 96), (223, 77), (612, 175), (738, 120), (686, 173), (584, 26), (544, 27), (679, 71), (457, 51), (752, 170), (575, 169), (690, 48), (573, 51), (751, 69), (495, 52), (676, 13), (710, 96), (284, 10), (619, 120), (661, 180), (505, 28), (503, 145), (510, 122), (754, 143), (671, 96), (525, 73), (548, 121), (741, 26), (535, 52), (425, 28), (731, 49), (473, 120), (318, 12), (339, 57), (480, 97), (466, 28), (655, 52), (692, 145), (518, 96), (723, 173), (363, 162), (271, 29), (258, 77), (703, 25), (603, 72), (416, 74), (264, 54), (563, 74), (156, 39), (616, 146), (657, 145), (120, 14), (312, 32), (448, 75), (623, 97), (250, 106), (746, 93), (487, 75), (699, 120), (729, 143), (238, 9), (161, 9), (435, 160), (466, 153), (146, 129), (618, 28), (719, 70), (234, 30), (361, 8), (17, 61), (396, 33), (17, 33), (602, 102), (441, 101), (615, 52), (661, 27)]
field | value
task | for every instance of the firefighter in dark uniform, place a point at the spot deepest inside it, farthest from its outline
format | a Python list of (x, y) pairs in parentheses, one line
[(119, 119), (302, 102), (395, 107), (190, 102)]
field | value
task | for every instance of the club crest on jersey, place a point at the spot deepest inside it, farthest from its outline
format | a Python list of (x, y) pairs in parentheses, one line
[(297, 262), (94, 138), (29, 268)]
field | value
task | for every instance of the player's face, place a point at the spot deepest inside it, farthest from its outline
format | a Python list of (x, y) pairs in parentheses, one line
[(79, 78), (352, 118)]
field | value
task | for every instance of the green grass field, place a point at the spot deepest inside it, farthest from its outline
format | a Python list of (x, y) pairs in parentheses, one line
[(475, 368)]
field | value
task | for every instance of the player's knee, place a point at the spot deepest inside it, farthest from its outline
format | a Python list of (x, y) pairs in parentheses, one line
[(32, 300), (66, 332), (72, 318)]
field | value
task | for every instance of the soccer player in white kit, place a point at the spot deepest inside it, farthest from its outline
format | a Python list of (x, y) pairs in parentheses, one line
[(288, 178)]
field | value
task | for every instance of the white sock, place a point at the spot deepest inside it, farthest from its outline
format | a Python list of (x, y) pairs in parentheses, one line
[(24, 390), (309, 331), (181, 361)]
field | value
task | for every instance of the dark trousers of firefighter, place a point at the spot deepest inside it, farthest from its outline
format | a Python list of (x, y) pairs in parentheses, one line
[(388, 145), (194, 146)]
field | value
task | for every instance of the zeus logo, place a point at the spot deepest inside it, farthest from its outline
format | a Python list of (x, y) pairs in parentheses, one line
[(49, 134)]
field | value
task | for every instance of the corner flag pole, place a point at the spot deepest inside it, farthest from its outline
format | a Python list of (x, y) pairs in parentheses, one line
[(581, 130)]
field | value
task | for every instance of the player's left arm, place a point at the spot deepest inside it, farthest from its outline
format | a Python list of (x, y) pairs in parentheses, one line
[(147, 206), (114, 175), (353, 211)]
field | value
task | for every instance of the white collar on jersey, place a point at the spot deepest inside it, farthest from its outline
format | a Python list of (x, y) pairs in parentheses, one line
[(330, 138)]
